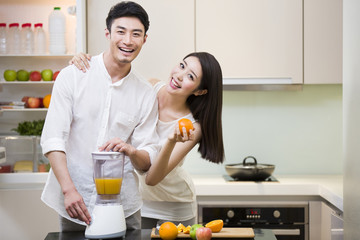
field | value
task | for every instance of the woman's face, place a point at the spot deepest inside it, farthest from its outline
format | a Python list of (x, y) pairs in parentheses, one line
[(185, 78)]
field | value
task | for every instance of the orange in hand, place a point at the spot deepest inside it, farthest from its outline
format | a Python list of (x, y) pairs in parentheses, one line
[(168, 231), (184, 122)]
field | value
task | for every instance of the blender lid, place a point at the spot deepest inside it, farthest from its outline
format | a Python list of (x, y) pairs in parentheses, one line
[(106, 155)]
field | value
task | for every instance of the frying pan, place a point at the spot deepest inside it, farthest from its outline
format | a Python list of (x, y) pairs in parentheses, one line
[(250, 170)]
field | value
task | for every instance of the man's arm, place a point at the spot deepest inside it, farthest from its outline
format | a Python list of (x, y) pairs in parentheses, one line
[(74, 203)]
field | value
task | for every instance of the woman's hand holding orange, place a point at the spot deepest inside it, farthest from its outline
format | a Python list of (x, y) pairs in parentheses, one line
[(184, 131)]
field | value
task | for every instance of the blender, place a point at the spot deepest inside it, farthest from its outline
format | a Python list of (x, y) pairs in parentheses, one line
[(108, 220)]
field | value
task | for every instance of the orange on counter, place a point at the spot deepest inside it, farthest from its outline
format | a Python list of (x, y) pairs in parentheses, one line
[(215, 225), (187, 229), (180, 227), (184, 122), (168, 231), (46, 100)]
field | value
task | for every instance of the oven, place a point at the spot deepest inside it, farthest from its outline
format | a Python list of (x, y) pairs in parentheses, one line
[(288, 220)]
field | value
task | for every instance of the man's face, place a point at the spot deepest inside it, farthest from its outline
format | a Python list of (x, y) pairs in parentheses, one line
[(127, 37)]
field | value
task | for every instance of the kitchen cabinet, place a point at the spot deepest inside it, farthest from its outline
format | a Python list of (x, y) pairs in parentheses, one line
[(253, 39), (170, 36), (24, 216), (327, 222), (323, 41)]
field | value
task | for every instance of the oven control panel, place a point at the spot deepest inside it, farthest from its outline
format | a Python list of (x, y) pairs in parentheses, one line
[(235, 216)]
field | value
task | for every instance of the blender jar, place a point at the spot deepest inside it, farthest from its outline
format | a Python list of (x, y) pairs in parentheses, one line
[(108, 176)]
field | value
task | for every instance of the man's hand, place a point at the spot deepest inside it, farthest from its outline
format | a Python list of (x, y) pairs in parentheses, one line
[(118, 145), (139, 158), (75, 206)]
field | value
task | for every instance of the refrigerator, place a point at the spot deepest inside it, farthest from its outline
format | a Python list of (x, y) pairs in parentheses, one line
[(351, 118)]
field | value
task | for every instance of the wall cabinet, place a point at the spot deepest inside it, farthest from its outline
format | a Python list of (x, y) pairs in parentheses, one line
[(253, 38), (323, 41), (170, 36)]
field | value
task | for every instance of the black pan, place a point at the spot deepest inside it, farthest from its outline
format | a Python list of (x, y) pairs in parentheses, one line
[(250, 170)]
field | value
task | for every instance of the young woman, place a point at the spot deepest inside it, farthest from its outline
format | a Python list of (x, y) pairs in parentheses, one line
[(193, 91)]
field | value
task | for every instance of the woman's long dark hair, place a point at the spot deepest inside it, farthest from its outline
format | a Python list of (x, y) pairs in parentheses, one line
[(207, 108)]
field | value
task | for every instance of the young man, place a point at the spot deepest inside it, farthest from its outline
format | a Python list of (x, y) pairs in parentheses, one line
[(87, 109)]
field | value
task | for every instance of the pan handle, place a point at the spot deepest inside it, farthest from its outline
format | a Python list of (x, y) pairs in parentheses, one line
[(246, 163)]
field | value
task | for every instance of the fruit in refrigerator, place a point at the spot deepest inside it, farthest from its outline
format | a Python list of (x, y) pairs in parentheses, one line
[(10, 75), (47, 74), (203, 233), (33, 102), (22, 75), (46, 101), (168, 231), (35, 76), (55, 75)]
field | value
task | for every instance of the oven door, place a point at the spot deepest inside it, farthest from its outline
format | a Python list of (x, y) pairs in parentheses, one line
[(287, 220), (285, 232)]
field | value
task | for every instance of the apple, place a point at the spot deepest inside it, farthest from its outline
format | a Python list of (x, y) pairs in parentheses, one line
[(35, 76), (33, 102), (10, 75), (47, 74), (193, 230), (24, 99), (203, 233), (23, 75), (55, 75)]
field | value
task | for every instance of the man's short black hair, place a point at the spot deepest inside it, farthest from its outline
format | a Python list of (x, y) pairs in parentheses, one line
[(127, 9)]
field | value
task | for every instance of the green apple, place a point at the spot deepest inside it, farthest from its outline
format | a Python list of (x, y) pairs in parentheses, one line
[(23, 75), (47, 74), (193, 230), (10, 75)]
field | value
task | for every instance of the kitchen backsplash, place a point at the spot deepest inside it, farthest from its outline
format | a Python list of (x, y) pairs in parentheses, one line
[(298, 131)]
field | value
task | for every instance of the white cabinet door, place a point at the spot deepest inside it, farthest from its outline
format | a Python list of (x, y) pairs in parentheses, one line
[(322, 41), (170, 36), (253, 38)]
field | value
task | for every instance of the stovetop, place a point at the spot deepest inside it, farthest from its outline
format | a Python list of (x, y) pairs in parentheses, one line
[(231, 179)]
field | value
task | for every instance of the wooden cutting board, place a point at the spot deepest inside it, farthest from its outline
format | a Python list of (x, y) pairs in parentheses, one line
[(224, 233)]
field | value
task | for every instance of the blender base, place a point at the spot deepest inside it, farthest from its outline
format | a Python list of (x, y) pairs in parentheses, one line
[(108, 221)]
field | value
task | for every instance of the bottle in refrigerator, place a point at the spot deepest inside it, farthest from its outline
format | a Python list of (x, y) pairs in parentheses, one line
[(27, 39), (14, 39), (40, 46), (57, 32), (3, 37)]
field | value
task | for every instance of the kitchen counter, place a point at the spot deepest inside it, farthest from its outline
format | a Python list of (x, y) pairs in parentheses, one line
[(144, 234), (328, 188)]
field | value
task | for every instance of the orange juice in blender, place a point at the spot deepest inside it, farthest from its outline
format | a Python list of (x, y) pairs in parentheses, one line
[(108, 185)]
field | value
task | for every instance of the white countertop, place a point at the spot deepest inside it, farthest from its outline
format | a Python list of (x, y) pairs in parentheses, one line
[(327, 187)]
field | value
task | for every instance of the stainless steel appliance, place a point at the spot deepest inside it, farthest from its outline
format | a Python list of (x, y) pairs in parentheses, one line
[(288, 220)]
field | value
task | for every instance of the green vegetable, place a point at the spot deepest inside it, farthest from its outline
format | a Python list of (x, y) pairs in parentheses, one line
[(29, 128)]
